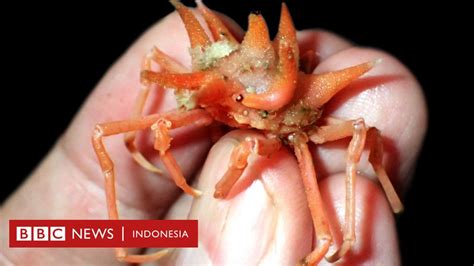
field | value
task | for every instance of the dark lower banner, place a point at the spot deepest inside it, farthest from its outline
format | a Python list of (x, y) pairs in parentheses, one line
[(103, 233)]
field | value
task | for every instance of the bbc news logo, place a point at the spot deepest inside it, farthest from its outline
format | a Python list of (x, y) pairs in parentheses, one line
[(103, 233), (41, 233)]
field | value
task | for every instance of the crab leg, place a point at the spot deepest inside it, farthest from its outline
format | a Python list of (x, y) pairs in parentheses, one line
[(190, 81), (167, 64), (172, 120), (108, 129), (218, 29), (315, 203), (359, 133), (375, 158), (163, 141), (341, 129), (106, 164), (337, 129), (355, 149), (282, 89), (176, 119), (213, 82), (238, 161)]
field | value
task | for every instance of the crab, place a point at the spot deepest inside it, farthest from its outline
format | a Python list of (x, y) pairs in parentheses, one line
[(255, 84)]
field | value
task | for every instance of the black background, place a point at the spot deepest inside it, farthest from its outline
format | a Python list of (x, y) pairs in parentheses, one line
[(56, 53)]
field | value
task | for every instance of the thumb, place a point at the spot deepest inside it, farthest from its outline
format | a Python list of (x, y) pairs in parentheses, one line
[(264, 219)]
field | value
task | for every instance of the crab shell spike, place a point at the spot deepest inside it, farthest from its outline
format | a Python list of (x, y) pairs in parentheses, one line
[(320, 88), (190, 81), (218, 29), (197, 35), (286, 30), (257, 35), (282, 89)]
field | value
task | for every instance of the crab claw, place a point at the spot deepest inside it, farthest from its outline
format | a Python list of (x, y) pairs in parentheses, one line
[(283, 87), (218, 29), (320, 88), (197, 35)]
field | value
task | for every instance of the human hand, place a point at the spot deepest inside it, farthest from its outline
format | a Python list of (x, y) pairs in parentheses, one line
[(269, 220)]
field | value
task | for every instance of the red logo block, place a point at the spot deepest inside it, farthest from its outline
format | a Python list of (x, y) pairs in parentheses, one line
[(104, 233)]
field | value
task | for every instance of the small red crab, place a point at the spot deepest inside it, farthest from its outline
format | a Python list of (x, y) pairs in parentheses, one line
[(260, 84)]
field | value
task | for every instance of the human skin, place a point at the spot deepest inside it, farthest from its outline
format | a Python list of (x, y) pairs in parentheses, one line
[(268, 222)]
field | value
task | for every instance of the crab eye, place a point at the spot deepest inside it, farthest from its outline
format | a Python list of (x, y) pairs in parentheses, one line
[(239, 98)]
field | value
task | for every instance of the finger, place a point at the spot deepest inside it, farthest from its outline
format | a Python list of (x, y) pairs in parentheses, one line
[(267, 220), (113, 99), (69, 180), (257, 222), (387, 97), (376, 240)]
